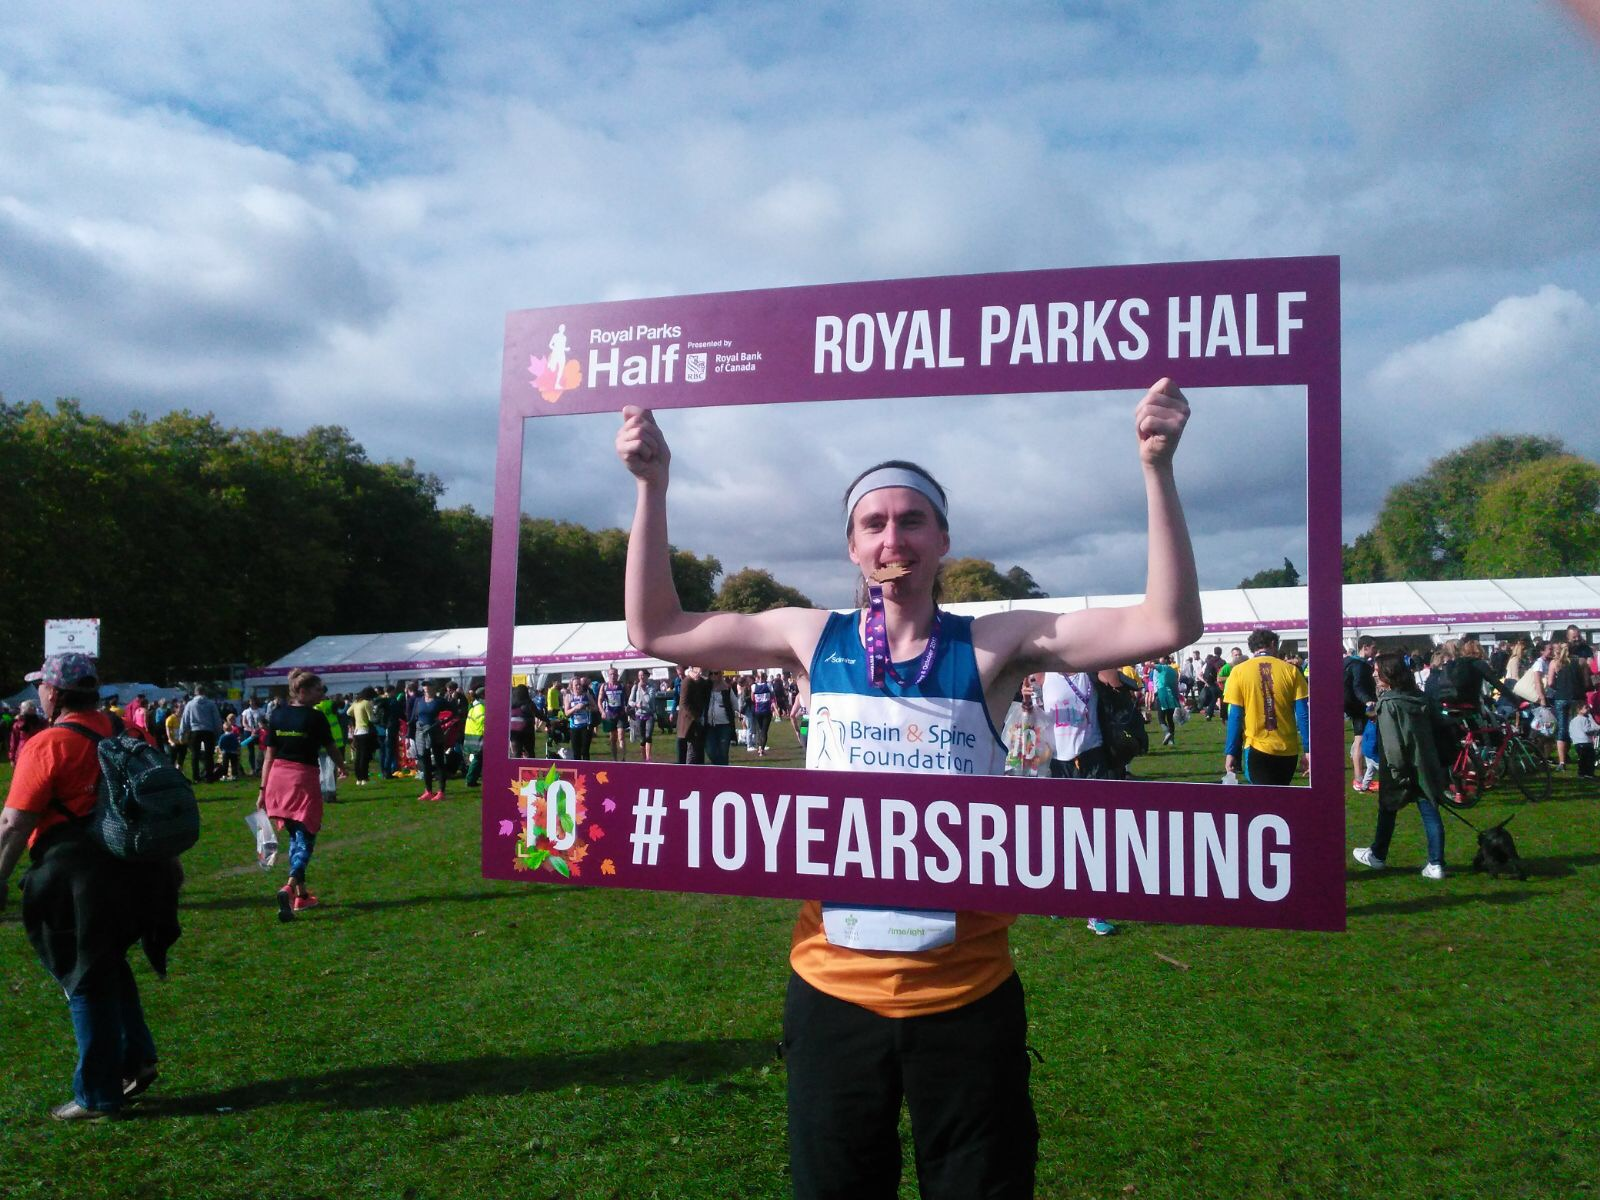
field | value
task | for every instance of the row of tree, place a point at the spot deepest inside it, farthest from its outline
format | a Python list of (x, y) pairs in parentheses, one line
[(198, 545), (1504, 506), (201, 545)]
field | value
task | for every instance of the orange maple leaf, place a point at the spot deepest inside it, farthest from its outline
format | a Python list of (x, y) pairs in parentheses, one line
[(601, 777), (577, 855), (608, 867)]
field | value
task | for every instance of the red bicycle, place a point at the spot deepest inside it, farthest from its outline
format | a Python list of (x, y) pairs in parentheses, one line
[(1496, 750)]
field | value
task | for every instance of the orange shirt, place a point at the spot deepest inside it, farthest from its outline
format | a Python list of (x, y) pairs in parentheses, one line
[(58, 765), (906, 985)]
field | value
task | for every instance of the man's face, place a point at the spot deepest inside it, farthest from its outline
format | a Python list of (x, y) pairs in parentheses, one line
[(898, 527)]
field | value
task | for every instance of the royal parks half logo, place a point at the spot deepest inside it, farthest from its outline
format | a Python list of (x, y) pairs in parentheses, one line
[(556, 372)]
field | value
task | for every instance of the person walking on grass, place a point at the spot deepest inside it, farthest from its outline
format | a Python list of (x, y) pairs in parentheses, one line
[(428, 733), (1164, 678), (297, 739), (1408, 765), (930, 1012), (83, 909)]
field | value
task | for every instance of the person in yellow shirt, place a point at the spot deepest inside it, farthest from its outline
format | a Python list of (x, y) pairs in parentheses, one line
[(1268, 714)]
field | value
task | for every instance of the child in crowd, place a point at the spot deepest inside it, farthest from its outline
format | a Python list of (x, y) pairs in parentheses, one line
[(228, 748), (1584, 732), (1369, 753)]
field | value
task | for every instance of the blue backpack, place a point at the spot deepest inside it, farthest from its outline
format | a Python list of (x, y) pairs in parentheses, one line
[(145, 810)]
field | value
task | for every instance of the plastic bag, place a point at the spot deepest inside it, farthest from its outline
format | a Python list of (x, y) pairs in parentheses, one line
[(260, 826), (1028, 741)]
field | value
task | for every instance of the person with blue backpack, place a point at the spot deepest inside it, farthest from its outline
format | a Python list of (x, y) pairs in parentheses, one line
[(84, 903)]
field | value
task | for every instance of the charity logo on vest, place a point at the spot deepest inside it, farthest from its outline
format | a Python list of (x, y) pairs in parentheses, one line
[(892, 742)]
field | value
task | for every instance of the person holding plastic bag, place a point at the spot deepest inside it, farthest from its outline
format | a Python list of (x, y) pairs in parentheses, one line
[(297, 742)]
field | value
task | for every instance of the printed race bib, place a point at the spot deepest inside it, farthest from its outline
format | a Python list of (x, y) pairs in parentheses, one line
[(902, 930)]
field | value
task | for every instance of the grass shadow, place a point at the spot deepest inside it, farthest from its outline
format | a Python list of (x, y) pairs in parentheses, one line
[(1437, 901), (405, 1085), (267, 899)]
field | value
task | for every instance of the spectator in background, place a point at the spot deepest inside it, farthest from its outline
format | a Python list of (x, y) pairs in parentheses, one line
[(427, 731), (252, 723), (363, 736), (1164, 677), (579, 707), (1268, 714), (719, 720), (1582, 732), (613, 700), (1564, 684), (28, 722), (642, 712), (177, 740), (391, 715), (695, 689), (523, 723), (1210, 671), (1360, 696), (228, 748), (472, 737), (198, 729)]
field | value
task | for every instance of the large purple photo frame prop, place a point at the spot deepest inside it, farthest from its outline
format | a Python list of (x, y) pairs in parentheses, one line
[(1171, 852)]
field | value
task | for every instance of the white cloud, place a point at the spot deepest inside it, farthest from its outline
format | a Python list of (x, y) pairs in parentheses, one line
[(303, 213), (1527, 365)]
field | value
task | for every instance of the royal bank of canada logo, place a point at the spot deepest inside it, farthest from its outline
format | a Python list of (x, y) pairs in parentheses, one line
[(694, 368), (555, 372)]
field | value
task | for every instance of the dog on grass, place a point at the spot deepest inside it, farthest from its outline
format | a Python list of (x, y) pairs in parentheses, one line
[(1497, 852)]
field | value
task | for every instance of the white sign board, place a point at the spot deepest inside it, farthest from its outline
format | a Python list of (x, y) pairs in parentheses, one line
[(72, 635)]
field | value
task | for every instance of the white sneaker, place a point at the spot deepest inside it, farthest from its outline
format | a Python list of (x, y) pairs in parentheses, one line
[(1365, 856), (1433, 871)]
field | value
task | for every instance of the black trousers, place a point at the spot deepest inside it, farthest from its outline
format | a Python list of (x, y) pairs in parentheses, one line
[(963, 1074), (1269, 768), (365, 744), (202, 747)]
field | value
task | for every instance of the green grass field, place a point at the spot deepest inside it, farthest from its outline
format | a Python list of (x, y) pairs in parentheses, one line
[(431, 1034)]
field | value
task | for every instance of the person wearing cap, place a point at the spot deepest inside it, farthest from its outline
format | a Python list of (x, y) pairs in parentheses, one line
[(929, 1011), (82, 908)]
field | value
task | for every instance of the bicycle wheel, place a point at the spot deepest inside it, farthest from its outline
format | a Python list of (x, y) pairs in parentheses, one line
[(1467, 778), (1528, 769)]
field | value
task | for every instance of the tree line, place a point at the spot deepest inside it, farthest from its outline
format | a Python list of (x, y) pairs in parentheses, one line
[(199, 545)]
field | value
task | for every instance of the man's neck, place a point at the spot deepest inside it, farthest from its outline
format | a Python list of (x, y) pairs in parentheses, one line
[(908, 626)]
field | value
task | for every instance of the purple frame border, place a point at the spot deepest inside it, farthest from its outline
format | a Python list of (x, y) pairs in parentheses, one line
[(769, 319)]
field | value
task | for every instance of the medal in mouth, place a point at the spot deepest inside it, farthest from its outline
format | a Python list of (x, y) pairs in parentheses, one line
[(888, 572)]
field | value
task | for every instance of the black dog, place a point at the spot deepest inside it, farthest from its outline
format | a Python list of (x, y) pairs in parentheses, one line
[(1497, 853)]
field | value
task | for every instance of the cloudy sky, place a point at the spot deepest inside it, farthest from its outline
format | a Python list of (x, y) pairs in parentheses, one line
[(300, 213)]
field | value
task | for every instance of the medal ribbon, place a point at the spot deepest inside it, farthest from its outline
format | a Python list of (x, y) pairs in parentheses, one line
[(879, 662)]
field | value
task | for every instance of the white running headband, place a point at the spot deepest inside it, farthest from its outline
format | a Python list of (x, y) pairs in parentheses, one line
[(888, 477)]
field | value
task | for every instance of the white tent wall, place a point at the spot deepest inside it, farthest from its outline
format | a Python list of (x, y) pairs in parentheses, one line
[(1436, 610)]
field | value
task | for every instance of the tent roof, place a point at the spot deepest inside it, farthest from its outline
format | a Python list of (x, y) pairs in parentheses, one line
[(1442, 607)]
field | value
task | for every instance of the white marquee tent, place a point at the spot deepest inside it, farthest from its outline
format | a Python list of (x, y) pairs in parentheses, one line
[(1435, 610)]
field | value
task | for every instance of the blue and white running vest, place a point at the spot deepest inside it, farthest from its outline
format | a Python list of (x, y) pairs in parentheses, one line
[(940, 727)]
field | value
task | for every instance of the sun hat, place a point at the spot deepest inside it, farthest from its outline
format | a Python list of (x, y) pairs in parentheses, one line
[(71, 671)]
